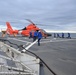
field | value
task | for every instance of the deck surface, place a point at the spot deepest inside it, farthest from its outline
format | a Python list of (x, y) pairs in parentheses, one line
[(58, 53)]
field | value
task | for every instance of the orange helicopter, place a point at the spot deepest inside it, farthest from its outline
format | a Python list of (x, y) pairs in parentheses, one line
[(25, 31)]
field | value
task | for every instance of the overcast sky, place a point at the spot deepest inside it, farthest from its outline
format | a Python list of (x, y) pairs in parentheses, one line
[(47, 14)]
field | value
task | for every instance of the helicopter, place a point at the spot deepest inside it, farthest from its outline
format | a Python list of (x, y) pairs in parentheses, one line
[(25, 31)]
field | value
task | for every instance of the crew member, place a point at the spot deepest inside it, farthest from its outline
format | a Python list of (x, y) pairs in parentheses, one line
[(69, 35), (54, 35), (30, 35), (39, 37), (58, 36), (35, 35), (62, 35)]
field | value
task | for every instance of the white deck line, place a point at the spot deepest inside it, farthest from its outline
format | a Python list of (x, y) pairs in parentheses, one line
[(19, 40), (59, 40), (48, 40), (25, 41)]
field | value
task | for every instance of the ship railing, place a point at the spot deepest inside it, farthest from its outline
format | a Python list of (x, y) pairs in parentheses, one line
[(12, 55)]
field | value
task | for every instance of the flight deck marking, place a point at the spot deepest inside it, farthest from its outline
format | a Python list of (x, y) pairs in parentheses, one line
[(24, 50), (52, 40), (57, 40), (19, 40)]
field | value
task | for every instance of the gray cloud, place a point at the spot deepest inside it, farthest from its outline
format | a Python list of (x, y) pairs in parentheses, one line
[(53, 14)]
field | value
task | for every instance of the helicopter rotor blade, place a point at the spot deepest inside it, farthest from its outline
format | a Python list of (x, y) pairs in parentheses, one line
[(30, 21)]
